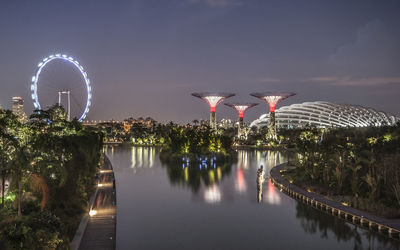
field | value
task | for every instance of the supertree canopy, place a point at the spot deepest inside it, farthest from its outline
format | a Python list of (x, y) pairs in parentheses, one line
[(213, 99), (241, 109), (272, 99)]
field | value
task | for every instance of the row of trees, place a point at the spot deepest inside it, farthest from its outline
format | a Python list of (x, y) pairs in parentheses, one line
[(196, 142), (361, 162), (51, 165), (138, 133)]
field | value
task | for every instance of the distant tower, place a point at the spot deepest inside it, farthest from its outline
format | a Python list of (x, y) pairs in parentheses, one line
[(241, 109), (213, 99), (272, 99), (18, 108)]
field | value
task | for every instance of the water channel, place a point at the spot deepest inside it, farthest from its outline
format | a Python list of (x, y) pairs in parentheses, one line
[(220, 207)]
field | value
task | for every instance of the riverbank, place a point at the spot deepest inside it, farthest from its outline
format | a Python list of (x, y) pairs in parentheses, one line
[(388, 227), (97, 229), (263, 147)]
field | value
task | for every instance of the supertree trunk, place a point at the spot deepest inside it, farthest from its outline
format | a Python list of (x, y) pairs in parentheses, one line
[(213, 120), (272, 126)]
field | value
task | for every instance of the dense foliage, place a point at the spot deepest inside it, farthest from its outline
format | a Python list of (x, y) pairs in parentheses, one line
[(51, 165), (363, 163), (137, 132), (198, 143)]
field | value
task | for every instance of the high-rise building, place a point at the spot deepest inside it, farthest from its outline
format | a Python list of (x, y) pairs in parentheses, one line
[(18, 108)]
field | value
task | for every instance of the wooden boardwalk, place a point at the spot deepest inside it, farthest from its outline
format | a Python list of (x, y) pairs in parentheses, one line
[(100, 231), (388, 227)]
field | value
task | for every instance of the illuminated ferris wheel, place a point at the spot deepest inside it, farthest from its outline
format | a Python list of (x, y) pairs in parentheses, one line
[(59, 76)]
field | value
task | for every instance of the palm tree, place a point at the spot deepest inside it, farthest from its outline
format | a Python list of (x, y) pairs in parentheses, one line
[(22, 159), (8, 121)]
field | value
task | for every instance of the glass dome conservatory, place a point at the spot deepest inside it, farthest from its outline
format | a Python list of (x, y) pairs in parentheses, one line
[(326, 114)]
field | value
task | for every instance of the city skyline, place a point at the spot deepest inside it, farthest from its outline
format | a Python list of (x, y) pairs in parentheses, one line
[(145, 57)]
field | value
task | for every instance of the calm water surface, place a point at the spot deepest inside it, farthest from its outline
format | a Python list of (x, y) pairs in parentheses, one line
[(220, 207)]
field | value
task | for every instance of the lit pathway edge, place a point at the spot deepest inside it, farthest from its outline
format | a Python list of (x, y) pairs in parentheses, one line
[(98, 230), (387, 227), (76, 241)]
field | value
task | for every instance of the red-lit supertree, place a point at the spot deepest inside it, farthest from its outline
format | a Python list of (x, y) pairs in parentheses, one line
[(272, 99), (241, 109), (213, 99)]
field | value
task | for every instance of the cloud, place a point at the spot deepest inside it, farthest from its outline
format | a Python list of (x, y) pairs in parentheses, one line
[(375, 50), (218, 3), (268, 80), (322, 79), (353, 81)]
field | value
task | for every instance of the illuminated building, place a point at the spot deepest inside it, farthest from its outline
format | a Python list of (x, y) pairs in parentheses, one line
[(241, 109), (225, 123), (213, 99), (18, 108), (326, 114), (272, 99)]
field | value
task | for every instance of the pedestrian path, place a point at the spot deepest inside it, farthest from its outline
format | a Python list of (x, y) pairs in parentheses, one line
[(100, 230), (388, 227)]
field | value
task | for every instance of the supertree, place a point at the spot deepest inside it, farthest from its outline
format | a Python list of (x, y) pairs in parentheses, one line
[(272, 99), (241, 109), (213, 99)]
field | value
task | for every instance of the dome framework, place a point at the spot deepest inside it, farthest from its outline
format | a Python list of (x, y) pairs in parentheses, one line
[(327, 114)]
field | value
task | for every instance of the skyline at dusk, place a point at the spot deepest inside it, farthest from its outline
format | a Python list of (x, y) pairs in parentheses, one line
[(199, 124), (145, 58)]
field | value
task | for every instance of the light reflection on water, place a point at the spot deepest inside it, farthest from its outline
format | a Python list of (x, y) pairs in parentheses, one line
[(229, 206)]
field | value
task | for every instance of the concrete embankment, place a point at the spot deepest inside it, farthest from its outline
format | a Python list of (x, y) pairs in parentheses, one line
[(388, 227), (97, 229)]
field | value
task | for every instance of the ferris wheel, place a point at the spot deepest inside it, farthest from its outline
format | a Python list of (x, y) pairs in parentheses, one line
[(58, 76)]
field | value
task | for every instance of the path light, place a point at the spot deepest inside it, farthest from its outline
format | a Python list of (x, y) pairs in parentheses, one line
[(92, 212)]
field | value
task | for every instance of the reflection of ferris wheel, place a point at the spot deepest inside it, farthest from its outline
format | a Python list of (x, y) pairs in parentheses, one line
[(63, 76)]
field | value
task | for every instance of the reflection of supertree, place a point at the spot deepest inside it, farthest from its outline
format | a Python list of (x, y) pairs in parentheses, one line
[(272, 197), (272, 99), (240, 184), (212, 194), (194, 175), (313, 222), (243, 159), (213, 99), (260, 181)]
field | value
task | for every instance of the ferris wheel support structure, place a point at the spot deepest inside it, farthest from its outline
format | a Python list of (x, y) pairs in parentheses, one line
[(69, 101)]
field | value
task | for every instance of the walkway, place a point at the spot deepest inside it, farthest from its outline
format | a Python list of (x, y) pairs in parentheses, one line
[(387, 227), (100, 230)]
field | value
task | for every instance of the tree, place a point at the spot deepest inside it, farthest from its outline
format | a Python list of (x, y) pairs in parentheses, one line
[(8, 124)]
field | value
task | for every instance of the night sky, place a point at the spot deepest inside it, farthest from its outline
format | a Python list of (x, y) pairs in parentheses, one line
[(144, 58)]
